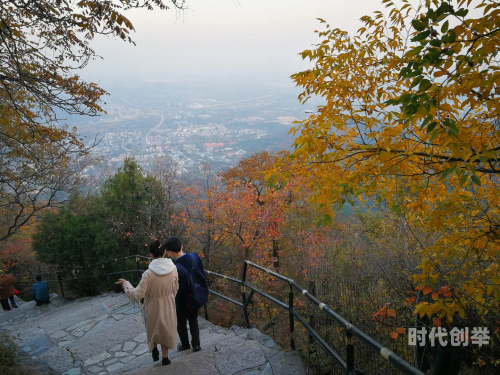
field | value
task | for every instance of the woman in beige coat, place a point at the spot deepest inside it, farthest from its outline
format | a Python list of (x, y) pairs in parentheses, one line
[(158, 287)]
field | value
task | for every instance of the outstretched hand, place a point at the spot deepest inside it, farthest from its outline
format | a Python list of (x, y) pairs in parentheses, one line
[(120, 281)]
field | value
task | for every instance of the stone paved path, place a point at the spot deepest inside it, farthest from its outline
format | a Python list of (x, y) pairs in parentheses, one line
[(105, 335)]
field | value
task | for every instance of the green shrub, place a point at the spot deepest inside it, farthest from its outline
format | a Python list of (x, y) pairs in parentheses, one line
[(7, 351), (9, 364)]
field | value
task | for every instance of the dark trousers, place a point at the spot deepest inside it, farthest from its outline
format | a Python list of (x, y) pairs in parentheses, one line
[(186, 312), (5, 303), (39, 303)]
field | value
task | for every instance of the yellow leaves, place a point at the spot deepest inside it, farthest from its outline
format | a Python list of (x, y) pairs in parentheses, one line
[(461, 312), (446, 107), (440, 73), (469, 288), (434, 165), (420, 309)]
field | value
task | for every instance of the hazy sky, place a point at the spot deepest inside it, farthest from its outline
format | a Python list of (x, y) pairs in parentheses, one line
[(222, 38)]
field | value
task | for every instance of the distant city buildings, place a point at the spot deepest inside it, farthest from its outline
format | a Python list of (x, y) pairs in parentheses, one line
[(193, 130)]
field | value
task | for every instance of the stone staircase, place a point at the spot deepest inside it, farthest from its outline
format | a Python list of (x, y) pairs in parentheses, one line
[(105, 335)]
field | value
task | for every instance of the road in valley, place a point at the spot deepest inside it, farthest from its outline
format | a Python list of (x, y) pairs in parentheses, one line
[(154, 128)]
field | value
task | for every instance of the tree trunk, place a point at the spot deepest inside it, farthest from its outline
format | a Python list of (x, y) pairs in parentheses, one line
[(276, 257)]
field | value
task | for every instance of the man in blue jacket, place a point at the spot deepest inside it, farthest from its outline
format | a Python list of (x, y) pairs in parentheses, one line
[(40, 291), (185, 307)]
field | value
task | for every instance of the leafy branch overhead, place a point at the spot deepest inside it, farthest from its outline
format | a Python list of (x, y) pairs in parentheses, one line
[(43, 45), (43, 42), (411, 122)]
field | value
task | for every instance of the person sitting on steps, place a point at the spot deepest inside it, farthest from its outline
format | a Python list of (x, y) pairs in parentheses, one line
[(40, 291), (158, 287), (184, 303), (7, 291)]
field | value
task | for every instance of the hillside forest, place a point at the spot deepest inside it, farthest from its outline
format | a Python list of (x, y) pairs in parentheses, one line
[(387, 205)]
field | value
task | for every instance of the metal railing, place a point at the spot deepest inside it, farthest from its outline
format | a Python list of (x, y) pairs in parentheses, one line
[(61, 280), (352, 332)]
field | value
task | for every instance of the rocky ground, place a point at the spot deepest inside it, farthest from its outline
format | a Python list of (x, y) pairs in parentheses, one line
[(105, 335)]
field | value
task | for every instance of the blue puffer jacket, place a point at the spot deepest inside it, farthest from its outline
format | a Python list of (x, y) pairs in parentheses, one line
[(40, 291)]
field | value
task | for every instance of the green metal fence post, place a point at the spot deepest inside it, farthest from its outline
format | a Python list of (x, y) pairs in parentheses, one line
[(243, 294), (290, 312), (60, 284), (312, 290), (349, 352)]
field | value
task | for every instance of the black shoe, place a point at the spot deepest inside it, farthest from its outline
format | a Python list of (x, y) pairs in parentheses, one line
[(15, 306), (180, 348), (196, 349), (155, 354), (165, 362)]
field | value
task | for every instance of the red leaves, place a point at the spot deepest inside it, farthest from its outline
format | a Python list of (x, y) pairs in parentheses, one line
[(384, 312), (445, 291), (410, 300), (16, 251), (399, 330)]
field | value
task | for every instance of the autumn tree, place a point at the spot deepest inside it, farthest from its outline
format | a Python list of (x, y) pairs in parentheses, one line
[(235, 215), (43, 45), (411, 122), (16, 253), (250, 221), (238, 214), (250, 173), (29, 186), (200, 201)]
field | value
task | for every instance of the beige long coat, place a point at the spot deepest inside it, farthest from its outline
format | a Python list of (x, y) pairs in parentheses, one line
[(158, 287)]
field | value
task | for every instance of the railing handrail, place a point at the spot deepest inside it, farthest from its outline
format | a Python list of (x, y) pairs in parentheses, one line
[(60, 280), (81, 267), (351, 330)]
